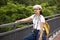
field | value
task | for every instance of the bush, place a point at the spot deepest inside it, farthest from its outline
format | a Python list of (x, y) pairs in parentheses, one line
[(48, 10), (12, 12)]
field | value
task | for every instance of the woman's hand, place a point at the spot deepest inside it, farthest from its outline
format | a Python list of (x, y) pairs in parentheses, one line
[(47, 37), (40, 38), (17, 21)]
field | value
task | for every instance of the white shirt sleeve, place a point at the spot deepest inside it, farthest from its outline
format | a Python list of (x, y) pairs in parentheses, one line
[(32, 16), (42, 19)]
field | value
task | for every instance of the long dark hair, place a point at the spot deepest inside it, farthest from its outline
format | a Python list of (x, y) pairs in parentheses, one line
[(41, 12)]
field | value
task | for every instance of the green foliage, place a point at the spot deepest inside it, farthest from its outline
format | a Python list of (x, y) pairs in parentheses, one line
[(6, 29), (48, 10), (12, 10), (3, 2)]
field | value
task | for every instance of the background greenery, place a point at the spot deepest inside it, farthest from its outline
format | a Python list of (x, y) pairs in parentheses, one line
[(12, 10)]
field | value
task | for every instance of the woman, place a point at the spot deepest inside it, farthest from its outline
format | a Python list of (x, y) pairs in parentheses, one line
[(38, 21)]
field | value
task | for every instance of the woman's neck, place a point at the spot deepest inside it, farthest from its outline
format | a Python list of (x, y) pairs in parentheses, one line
[(37, 14)]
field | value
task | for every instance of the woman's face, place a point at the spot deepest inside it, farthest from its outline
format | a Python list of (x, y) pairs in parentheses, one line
[(37, 10)]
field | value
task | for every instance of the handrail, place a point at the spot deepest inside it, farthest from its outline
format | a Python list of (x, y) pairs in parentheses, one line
[(1, 34), (49, 17), (13, 23), (54, 31)]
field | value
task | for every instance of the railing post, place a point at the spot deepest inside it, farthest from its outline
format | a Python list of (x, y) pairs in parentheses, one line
[(14, 26)]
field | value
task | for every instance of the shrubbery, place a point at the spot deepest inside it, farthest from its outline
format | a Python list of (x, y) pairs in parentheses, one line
[(12, 12)]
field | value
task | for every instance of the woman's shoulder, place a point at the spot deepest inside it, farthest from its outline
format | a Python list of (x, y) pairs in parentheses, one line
[(32, 16), (41, 16)]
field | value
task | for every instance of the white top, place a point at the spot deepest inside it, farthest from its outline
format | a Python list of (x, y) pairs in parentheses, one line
[(37, 20)]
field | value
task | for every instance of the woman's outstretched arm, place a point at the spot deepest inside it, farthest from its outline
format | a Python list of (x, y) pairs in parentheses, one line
[(24, 20)]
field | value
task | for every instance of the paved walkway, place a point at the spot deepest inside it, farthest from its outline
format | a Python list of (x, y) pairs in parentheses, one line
[(57, 37)]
